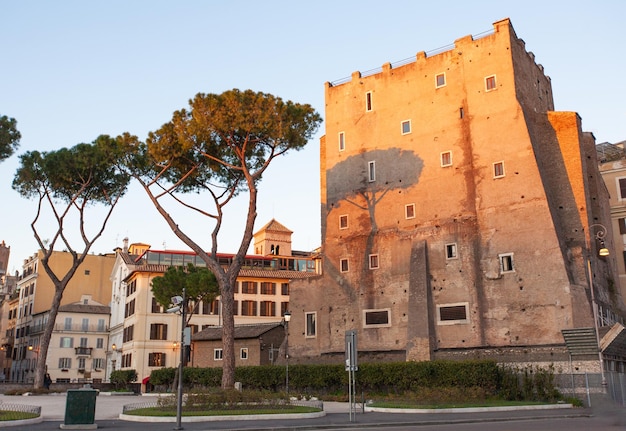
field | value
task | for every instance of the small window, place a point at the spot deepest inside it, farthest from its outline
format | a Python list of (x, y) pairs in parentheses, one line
[(243, 353), (99, 343), (440, 80), (156, 359), (622, 225), (461, 113), (446, 159), (451, 314), (490, 83), (342, 141), (343, 264), (405, 127), (343, 221), (506, 263), (409, 211), (368, 101), (621, 188), (310, 321), (371, 171), (87, 272), (451, 251), (373, 261), (67, 342), (65, 363), (376, 318), (218, 354), (498, 169)]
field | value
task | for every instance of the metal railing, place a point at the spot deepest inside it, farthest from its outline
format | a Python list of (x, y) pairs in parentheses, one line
[(408, 60), (11, 412)]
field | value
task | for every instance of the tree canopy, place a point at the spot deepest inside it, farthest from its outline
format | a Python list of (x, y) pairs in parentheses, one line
[(199, 283), (218, 148), (9, 137), (65, 183)]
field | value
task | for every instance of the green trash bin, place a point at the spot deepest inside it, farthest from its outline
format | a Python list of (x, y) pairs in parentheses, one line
[(80, 409)]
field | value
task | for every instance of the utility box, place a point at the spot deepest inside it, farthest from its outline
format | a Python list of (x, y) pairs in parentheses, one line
[(80, 409)]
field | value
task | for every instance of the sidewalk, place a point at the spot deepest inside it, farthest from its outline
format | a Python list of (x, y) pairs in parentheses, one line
[(108, 409)]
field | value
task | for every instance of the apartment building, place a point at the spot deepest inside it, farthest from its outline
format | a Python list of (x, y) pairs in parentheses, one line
[(145, 337), (459, 215)]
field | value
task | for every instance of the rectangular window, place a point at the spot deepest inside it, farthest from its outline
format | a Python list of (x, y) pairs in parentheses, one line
[(450, 314), (243, 353), (81, 363), (129, 309), (343, 264), (156, 359), (127, 360), (215, 306), (248, 308), (490, 83), (284, 289), (98, 364), (405, 127), (65, 363), (446, 159), (68, 324), (284, 306), (622, 226), (342, 141), (268, 308), (218, 354), (440, 80), (373, 261), (371, 171), (621, 187), (498, 169), (368, 101), (99, 343), (376, 318), (67, 342), (129, 333), (409, 211), (158, 331), (310, 321), (101, 325), (83, 342), (451, 251), (343, 221), (506, 262), (268, 288), (248, 287), (156, 307)]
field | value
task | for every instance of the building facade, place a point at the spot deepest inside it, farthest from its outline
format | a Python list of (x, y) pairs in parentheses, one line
[(145, 337), (459, 212), (35, 292)]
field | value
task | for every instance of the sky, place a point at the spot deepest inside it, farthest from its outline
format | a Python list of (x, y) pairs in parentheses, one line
[(73, 70)]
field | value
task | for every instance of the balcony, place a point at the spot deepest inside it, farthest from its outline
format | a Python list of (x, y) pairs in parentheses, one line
[(77, 327), (83, 351)]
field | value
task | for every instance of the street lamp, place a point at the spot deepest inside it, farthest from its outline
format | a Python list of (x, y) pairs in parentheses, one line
[(600, 234), (180, 306), (287, 318)]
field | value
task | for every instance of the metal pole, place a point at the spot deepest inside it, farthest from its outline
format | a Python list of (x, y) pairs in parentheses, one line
[(287, 358), (179, 401)]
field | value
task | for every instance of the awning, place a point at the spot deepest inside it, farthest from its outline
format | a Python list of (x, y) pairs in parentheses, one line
[(145, 380)]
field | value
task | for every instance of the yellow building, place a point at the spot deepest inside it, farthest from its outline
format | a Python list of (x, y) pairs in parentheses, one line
[(458, 214), (36, 291)]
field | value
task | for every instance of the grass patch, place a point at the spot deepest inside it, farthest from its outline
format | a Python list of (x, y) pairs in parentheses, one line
[(161, 412), (8, 415)]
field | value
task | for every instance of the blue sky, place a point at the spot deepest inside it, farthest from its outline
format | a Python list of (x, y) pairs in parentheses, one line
[(72, 70)]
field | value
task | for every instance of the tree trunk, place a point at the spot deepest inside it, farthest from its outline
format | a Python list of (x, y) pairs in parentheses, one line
[(44, 343)]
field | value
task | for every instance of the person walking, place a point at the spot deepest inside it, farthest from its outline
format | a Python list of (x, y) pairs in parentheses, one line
[(47, 381)]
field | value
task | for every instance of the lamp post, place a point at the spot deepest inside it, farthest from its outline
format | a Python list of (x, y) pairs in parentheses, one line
[(287, 318), (600, 234), (180, 306)]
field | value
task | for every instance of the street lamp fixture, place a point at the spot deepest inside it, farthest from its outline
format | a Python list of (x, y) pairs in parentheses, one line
[(603, 251), (180, 306), (286, 319)]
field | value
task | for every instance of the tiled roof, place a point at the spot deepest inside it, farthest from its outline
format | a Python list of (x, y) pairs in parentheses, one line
[(241, 331), (274, 226), (82, 308)]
